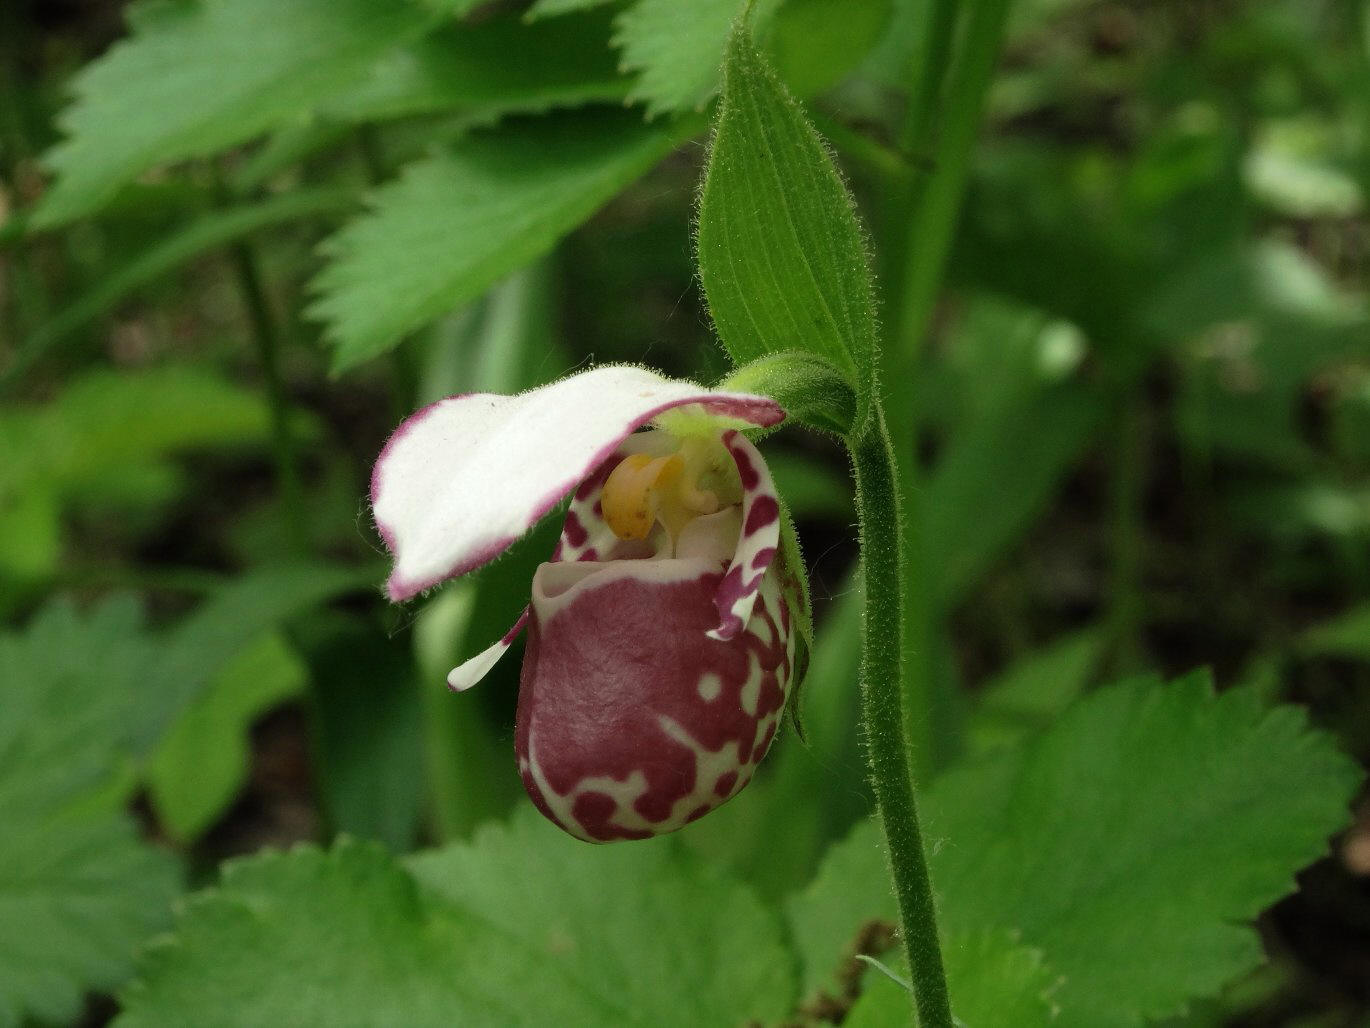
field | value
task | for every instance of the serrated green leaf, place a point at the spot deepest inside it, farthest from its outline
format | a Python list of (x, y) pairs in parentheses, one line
[(78, 890), (208, 233), (1035, 689), (1128, 843), (516, 928), (455, 224), (342, 938), (499, 67), (202, 762), (196, 77), (673, 942), (781, 254), (677, 48)]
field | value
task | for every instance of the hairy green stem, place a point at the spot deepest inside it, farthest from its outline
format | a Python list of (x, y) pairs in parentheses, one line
[(882, 697)]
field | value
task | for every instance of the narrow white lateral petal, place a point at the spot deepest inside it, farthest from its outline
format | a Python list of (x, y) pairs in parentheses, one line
[(460, 480), (469, 672)]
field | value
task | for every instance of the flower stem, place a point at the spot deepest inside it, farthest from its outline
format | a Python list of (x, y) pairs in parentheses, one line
[(882, 694)]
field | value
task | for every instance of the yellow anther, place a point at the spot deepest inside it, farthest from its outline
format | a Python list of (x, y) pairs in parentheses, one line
[(631, 496)]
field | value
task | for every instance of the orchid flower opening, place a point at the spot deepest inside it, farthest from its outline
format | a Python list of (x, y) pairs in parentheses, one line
[(660, 648)]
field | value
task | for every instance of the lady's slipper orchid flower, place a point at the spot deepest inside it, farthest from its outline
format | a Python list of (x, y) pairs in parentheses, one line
[(660, 646)]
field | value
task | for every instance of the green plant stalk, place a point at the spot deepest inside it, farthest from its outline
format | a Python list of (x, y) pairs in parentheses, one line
[(883, 690), (267, 340)]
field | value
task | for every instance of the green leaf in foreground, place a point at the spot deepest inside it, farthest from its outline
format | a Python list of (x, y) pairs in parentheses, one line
[(454, 224), (197, 77), (781, 254), (1128, 844), (523, 926), (203, 761), (677, 49), (78, 890)]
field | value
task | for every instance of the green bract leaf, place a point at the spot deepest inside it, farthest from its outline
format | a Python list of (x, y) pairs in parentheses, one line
[(781, 255), (808, 386), (502, 66), (455, 224), (78, 890), (524, 926), (199, 767), (1128, 843), (197, 77)]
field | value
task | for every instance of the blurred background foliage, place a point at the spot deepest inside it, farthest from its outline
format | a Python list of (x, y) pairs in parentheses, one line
[(1142, 410)]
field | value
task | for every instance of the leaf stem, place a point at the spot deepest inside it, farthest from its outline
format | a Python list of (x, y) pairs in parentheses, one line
[(267, 340), (882, 694)]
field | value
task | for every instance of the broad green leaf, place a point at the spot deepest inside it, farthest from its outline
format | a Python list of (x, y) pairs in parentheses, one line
[(202, 762), (1035, 689), (78, 890), (196, 77), (524, 926), (993, 980), (218, 630), (1347, 635), (455, 224), (362, 947), (208, 233), (1128, 844), (489, 70), (661, 937), (781, 254), (365, 729)]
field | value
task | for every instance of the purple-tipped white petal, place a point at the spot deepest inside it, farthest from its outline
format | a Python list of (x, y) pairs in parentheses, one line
[(469, 672), (757, 544), (463, 478)]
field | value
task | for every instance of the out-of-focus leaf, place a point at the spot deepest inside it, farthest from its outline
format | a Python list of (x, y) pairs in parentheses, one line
[(513, 929), (1127, 843), (1292, 167), (1347, 635), (202, 761), (81, 891), (812, 490), (781, 254), (996, 476), (365, 728), (551, 8), (682, 945), (1035, 689), (106, 419), (208, 233), (455, 224), (499, 67), (219, 629), (815, 42), (194, 78)]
